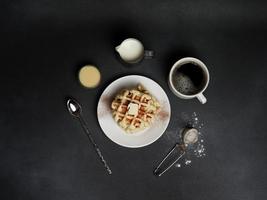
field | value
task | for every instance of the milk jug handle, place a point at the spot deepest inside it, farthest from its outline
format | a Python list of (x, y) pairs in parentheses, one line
[(149, 54)]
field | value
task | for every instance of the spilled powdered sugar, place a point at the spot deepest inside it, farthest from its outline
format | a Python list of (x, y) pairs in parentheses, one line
[(187, 162), (196, 150)]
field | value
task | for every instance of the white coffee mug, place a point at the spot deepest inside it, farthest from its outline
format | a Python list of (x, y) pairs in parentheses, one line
[(199, 93)]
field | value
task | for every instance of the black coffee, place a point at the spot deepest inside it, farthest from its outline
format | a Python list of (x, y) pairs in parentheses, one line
[(189, 79)]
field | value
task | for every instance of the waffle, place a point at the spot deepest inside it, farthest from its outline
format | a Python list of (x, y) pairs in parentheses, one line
[(134, 109)]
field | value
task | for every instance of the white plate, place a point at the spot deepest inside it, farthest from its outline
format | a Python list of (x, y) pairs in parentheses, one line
[(112, 129)]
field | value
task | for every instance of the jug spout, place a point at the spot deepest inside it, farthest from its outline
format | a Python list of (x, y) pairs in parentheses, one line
[(117, 48)]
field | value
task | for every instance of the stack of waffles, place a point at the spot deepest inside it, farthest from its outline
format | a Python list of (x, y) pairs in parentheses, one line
[(134, 109)]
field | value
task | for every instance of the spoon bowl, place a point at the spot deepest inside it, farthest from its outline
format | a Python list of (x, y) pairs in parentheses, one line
[(74, 107)]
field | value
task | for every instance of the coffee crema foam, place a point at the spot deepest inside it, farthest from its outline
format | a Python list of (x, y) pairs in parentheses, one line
[(184, 84), (188, 79)]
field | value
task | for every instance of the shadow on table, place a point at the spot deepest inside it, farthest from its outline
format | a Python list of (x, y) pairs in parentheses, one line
[(123, 29)]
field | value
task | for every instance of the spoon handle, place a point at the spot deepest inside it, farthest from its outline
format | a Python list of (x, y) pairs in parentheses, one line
[(86, 130)]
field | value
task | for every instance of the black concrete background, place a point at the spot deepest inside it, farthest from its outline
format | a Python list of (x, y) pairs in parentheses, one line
[(44, 154)]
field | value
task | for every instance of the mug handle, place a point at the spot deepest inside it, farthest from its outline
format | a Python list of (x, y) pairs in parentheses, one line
[(201, 98), (148, 54)]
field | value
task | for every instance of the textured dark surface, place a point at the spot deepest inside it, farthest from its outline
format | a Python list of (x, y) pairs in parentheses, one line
[(44, 154)]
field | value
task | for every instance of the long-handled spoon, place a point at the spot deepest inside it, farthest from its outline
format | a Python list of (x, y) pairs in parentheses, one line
[(75, 110)]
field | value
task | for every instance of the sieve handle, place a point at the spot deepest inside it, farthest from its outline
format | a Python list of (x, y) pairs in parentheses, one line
[(156, 171)]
